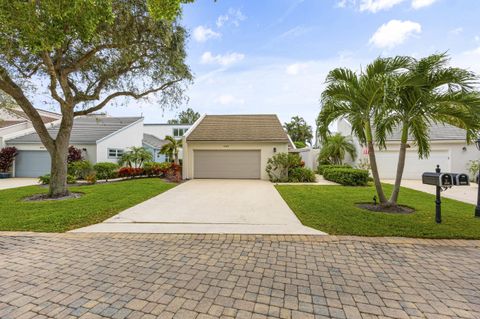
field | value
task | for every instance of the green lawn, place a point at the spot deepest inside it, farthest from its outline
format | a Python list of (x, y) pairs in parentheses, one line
[(332, 209), (98, 203)]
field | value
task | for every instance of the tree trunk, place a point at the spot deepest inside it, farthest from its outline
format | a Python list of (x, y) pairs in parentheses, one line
[(59, 157), (400, 166), (373, 164), (176, 158)]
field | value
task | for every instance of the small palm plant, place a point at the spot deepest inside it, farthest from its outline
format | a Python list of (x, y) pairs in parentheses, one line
[(172, 148), (135, 157), (335, 147)]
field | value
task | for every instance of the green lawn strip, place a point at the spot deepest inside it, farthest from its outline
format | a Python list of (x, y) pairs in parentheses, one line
[(332, 209), (98, 203)]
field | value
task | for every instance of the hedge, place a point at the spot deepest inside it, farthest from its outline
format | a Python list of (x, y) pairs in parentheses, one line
[(347, 176), (322, 168)]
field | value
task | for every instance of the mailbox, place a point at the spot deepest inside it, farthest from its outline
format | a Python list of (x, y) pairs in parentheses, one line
[(437, 179), (460, 179)]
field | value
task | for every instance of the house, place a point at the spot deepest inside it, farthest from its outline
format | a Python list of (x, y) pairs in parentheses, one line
[(448, 148), (101, 139), (232, 146), (155, 134), (14, 122)]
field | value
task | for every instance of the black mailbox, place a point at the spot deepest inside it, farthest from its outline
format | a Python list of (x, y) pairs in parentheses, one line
[(437, 179), (460, 179)]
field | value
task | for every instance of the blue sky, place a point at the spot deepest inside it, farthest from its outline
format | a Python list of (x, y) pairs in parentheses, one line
[(272, 56)]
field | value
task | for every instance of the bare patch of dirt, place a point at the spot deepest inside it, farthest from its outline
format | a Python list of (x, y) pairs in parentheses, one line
[(44, 197), (398, 209)]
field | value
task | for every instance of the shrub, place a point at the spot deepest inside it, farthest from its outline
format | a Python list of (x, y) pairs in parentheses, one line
[(279, 166), (80, 169), (7, 155), (130, 172), (91, 178), (301, 175), (156, 169), (473, 168), (106, 170), (45, 179), (174, 172), (347, 176), (74, 154), (322, 168)]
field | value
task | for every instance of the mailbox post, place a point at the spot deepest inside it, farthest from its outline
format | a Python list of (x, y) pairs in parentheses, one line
[(438, 201), (477, 208), (440, 181)]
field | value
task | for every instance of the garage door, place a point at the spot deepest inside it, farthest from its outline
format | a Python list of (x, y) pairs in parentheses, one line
[(32, 163), (226, 164), (414, 167)]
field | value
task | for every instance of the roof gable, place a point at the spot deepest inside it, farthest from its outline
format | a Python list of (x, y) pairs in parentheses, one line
[(248, 128)]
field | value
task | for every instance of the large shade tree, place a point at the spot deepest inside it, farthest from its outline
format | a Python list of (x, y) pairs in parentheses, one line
[(298, 129), (358, 98), (429, 92), (84, 54)]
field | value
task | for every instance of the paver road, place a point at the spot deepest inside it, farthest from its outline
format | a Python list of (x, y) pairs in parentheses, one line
[(236, 276)]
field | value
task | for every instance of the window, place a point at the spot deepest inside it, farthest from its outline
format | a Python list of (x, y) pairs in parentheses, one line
[(179, 132), (115, 153)]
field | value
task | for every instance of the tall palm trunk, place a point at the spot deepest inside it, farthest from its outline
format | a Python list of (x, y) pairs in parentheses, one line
[(400, 166), (373, 164)]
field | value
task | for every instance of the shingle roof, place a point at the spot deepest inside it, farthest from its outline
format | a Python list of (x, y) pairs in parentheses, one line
[(153, 141), (255, 128), (20, 113), (9, 123), (438, 132), (86, 130)]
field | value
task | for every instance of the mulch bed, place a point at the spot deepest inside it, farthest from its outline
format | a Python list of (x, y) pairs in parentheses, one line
[(399, 209), (44, 197)]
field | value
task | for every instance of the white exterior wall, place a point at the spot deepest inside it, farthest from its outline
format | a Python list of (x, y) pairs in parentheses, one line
[(125, 138), (266, 151), (162, 130)]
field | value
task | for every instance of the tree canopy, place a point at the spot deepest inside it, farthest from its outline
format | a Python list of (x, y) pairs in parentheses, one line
[(189, 116), (299, 130)]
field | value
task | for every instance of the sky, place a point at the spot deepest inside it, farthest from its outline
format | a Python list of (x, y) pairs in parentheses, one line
[(272, 56)]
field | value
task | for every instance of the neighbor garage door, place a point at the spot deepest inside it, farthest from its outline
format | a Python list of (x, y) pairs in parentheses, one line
[(414, 167), (32, 163), (226, 164)]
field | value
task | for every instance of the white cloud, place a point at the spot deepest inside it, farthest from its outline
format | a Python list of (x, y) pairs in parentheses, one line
[(456, 31), (295, 68), (417, 4), (394, 33), (233, 16), (221, 59), (202, 34), (228, 99), (377, 5)]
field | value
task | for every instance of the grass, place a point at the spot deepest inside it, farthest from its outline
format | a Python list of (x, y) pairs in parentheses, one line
[(332, 209), (98, 203)]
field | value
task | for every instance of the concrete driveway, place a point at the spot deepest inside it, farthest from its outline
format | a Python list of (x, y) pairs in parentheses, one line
[(467, 194), (210, 206), (6, 183)]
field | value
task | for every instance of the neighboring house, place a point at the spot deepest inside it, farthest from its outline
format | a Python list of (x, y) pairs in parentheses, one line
[(14, 122), (101, 139), (154, 137), (232, 146), (448, 148)]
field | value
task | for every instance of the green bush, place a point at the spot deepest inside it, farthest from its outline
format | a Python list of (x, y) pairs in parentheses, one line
[(347, 176), (301, 175), (106, 170), (45, 179), (80, 169), (322, 168), (279, 166), (155, 168)]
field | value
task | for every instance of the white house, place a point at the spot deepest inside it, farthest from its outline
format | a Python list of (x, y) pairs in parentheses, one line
[(101, 139), (448, 148), (232, 146), (155, 134)]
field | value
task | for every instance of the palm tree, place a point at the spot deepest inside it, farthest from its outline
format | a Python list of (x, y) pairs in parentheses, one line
[(357, 98), (429, 92), (135, 157), (172, 148), (335, 147)]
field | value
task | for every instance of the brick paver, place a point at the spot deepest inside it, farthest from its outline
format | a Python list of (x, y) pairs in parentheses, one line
[(236, 276)]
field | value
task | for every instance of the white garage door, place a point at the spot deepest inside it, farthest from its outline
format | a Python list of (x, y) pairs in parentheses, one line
[(414, 167), (32, 163), (226, 164)]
